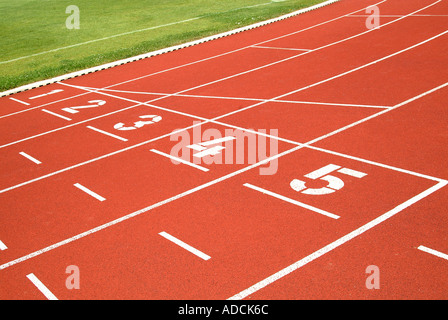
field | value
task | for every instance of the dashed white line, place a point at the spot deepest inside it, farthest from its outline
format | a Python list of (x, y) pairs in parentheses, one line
[(107, 133), (56, 115), (42, 288), (292, 201), (89, 192), (30, 157), (185, 246), (433, 252), (180, 160)]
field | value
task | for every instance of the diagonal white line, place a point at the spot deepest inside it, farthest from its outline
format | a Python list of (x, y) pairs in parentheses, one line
[(56, 115), (2, 246), (184, 245), (89, 192), (30, 157), (20, 101), (180, 160), (42, 288), (292, 201), (107, 133), (433, 252)]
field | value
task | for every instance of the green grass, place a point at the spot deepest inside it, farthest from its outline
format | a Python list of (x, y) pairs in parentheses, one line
[(31, 27)]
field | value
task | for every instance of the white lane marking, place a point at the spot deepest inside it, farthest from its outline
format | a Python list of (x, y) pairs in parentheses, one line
[(42, 288), (107, 133), (30, 157), (185, 246), (20, 101), (278, 48), (292, 201), (319, 253), (2, 246), (46, 94), (322, 171), (433, 252), (353, 173), (180, 160), (56, 115), (89, 192)]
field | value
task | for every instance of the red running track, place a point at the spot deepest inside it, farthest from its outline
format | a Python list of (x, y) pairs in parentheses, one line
[(317, 89)]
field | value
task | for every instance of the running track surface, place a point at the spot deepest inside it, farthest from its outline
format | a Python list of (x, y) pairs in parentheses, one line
[(78, 191)]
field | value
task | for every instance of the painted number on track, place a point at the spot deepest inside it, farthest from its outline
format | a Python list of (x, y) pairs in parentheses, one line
[(334, 183)]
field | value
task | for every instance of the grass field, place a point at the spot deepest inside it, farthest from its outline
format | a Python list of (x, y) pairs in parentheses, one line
[(37, 45)]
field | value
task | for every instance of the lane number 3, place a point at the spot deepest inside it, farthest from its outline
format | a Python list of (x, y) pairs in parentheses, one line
[(138, 124)]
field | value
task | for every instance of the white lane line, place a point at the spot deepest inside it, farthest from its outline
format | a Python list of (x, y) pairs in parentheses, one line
[(2, 246), (30, 157), (322, 171), (42, 288), (353, 173), (46, 94), (319, 253), (278, 48), (107, 133), (89, 192), (433, 252), (180, 160), (56, 115), (185, 246), (295, 202), (100, 90), (20, 101)]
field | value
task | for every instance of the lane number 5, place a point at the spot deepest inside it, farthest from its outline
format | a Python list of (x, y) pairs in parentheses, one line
[(334, 183)]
